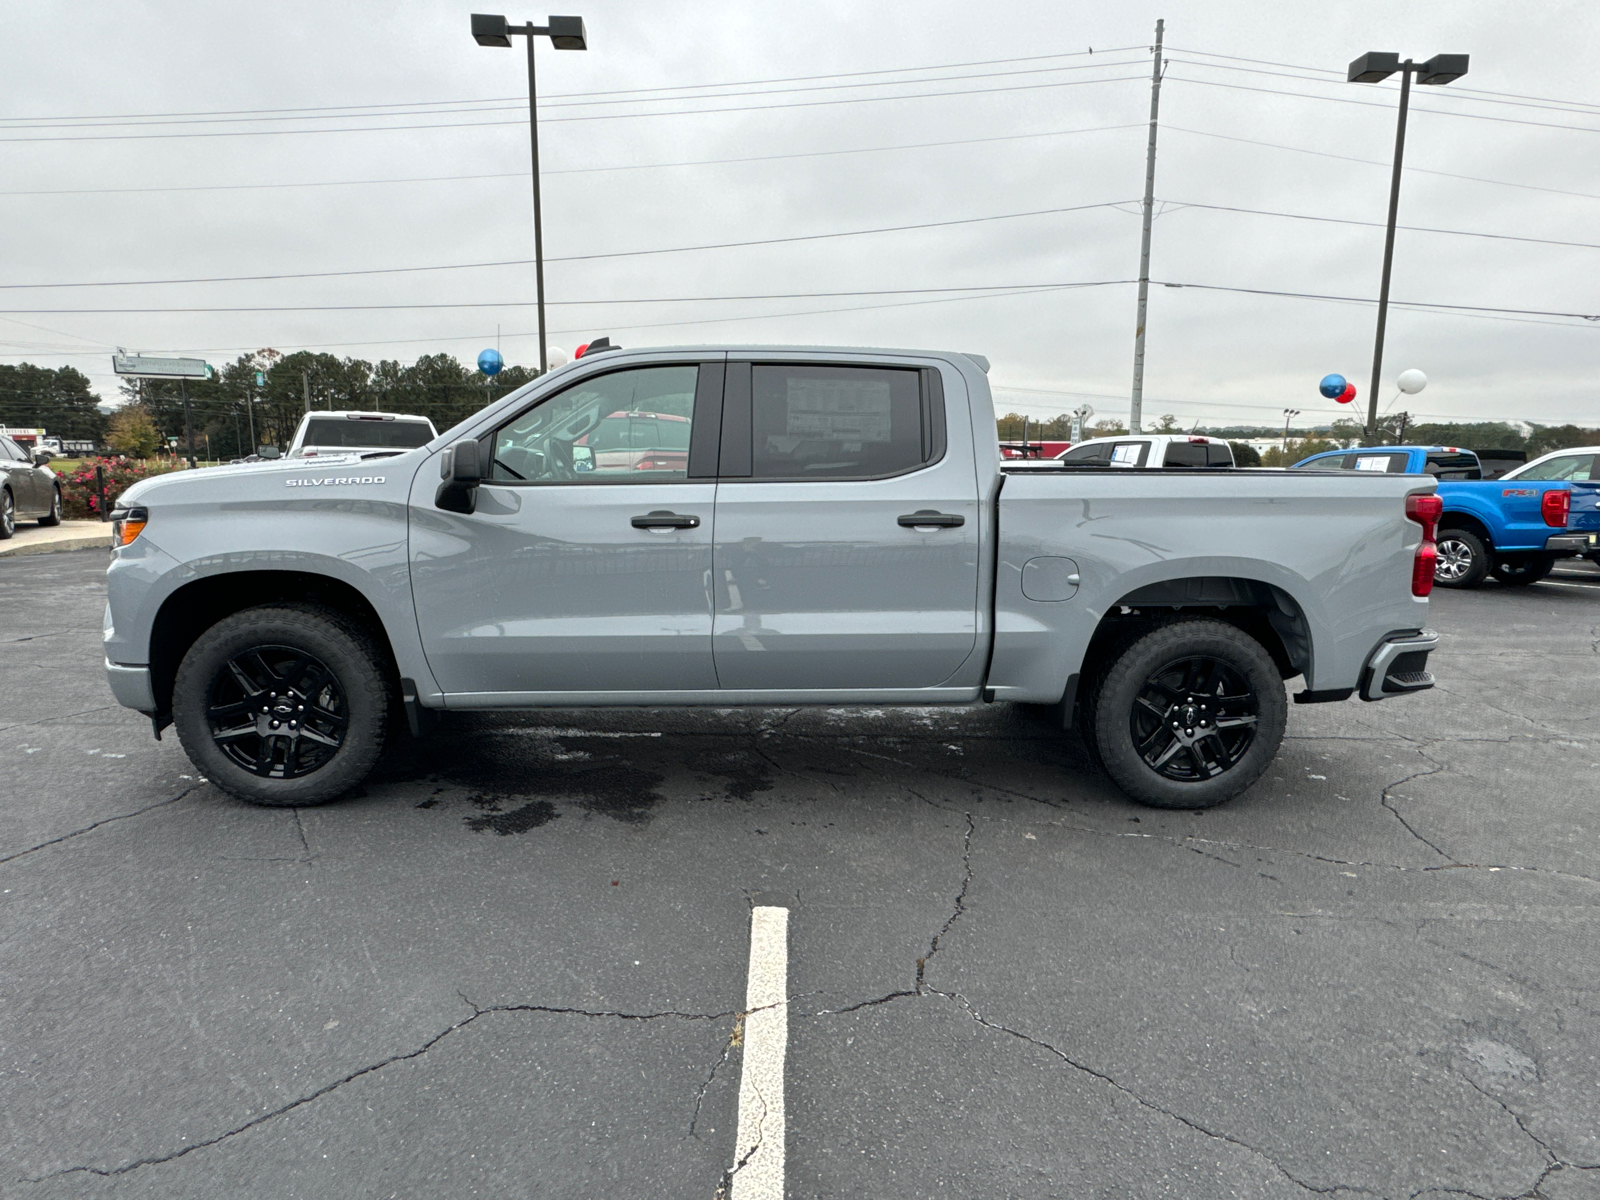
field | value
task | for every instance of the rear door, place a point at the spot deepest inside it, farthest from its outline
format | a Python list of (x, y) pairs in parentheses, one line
[(824, 578), (20, 476)]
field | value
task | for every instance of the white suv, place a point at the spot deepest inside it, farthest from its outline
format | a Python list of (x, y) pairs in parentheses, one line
[(345, 432)]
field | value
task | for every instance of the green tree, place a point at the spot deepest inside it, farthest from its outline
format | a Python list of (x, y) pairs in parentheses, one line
[(1167, 424), (1244, 454), (57, 400), (132, 432), (1106, 428)]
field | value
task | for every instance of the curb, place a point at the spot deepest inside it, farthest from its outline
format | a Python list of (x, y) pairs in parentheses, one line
[(75, 541)]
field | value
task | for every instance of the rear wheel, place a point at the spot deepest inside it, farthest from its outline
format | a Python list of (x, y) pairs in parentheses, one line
[(1189, 715), (283, 705), (1520, 572), (53, 517), (1463, 559)]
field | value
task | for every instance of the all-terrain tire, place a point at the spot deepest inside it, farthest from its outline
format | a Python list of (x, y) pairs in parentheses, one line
[(1223, 691), (53, 517), (347, 688), (1463, 560)]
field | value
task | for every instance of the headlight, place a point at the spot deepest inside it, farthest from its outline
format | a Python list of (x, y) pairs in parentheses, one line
[(127, 524)]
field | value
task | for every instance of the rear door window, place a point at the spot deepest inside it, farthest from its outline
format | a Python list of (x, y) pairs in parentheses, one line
[(332, 433), (1453, 466), (1393, 464), (1566, 466), (836, 422), (1129, 454)]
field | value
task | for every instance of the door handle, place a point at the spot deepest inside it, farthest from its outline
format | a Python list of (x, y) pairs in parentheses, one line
[(662, 519), (927, 516)]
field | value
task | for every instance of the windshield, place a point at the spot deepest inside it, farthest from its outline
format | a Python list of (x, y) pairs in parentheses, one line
[(344, 432)]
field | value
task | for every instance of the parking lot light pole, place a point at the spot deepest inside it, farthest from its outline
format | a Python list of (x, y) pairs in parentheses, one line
[(1374, 67), (1289, 414), (565, 33)]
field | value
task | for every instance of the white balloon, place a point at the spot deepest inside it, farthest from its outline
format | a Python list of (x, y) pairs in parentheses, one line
[(557, 357), (1411, 382)]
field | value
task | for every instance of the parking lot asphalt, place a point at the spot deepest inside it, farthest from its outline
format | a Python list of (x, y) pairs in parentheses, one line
[(515, 965)]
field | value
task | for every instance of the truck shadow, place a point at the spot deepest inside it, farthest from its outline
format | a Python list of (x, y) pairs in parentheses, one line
[(520, 771)]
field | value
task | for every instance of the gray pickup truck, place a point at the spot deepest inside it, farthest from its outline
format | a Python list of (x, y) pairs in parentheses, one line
[(756, 526)]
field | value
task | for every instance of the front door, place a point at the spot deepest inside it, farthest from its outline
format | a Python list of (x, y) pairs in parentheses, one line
[(825, 578), (586, 565)]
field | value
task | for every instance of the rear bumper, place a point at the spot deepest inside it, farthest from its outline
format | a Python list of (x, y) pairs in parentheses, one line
[(1399, 666), (131, 686), (1569, 543)]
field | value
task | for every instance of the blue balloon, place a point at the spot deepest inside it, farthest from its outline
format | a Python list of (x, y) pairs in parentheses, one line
[(490, 362), (1332, 386)]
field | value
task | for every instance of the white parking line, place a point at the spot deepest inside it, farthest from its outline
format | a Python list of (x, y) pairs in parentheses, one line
[(758, 1151)]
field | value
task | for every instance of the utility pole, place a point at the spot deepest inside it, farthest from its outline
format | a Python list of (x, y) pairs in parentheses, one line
[(188, 424), (1136, 409), (1288, 415)]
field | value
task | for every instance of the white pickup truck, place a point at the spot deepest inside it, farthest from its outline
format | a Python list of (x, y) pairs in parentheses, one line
[(836, 528)]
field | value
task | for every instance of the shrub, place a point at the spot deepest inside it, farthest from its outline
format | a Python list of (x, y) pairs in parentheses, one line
[(80, 497)]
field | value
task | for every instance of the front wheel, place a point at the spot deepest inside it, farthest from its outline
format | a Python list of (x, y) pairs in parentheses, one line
[(1463, 559), (1520, 572), (8, 514), (1189, 715), (283, 705), (54, 515)]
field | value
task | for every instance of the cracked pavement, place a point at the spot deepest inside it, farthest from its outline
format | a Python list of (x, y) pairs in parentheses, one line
[(515, 965)]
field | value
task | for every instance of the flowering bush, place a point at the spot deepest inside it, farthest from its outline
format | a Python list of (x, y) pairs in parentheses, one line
[(80, 495)]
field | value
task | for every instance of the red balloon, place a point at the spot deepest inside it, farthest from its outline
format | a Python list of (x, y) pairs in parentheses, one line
[(578, 353), (1347, 395)]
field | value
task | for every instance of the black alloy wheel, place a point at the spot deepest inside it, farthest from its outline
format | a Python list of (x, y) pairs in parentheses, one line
[(1186, 714), (277, 712), (1194, 718), (285, 704)]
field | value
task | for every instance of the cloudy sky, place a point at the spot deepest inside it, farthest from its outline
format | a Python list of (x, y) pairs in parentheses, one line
[(151, 140)]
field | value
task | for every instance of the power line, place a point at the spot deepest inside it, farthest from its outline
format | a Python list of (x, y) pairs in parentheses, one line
[(1240, 87), (1505, 237), (1458, 94), (522, 262), (479, 106), (985, 62), (573, 303), (1426, 304), (1339, 76), (1021, 87), (1372, 162), (702, 162)]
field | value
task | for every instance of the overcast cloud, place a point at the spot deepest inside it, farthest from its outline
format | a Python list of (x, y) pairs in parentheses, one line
[(1213, 355)]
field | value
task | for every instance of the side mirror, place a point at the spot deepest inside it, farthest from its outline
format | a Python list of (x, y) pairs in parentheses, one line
[(462, 472), (41, 459), (269, 452)]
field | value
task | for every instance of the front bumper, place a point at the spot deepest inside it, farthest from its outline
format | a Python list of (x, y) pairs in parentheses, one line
[(131, 687), (1399, 666), (1570, 543)]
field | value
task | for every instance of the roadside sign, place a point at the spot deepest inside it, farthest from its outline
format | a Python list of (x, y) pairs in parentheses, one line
[(150, 367), (261, 379)]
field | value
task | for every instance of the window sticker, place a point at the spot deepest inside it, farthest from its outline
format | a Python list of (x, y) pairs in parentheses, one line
[(1128, 453), (1372, 462), (839, 410)]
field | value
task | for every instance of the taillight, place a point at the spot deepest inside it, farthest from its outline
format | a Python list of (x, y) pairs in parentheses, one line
[(1425, 509), (1554, 506)]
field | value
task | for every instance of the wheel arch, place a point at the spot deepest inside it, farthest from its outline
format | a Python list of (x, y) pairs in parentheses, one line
[(1263, 610), (1467, 522), (196, 606)]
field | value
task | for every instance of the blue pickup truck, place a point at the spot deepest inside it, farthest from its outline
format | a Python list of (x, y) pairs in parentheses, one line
[(1514, 527)]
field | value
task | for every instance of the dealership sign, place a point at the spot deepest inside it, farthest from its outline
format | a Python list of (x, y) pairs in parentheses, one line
[(146, 366)]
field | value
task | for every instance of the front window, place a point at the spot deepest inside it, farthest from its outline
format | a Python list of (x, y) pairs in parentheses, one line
[(627, 426)]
